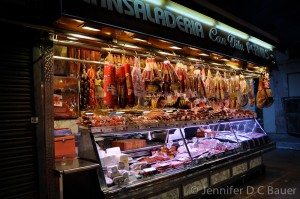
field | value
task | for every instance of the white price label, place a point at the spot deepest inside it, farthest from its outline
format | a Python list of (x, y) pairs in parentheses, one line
[(96, 129)]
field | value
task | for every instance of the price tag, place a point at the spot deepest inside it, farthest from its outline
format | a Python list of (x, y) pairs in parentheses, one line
[(120, 128), (96, 129), (131, 128), (108, 129)]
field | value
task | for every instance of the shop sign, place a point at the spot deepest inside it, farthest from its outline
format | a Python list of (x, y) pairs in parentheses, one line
[(162, 14)]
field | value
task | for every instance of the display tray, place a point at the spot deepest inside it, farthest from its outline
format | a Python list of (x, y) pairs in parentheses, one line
[(187, 173)]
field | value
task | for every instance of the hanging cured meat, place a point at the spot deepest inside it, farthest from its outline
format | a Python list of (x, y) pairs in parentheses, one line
[(121, 86), (242, 92), (129, 85), (209, 86), (92, 98), (99, 87), (169, 77), (137, 80), (264, 98), (182, 76), (250, 93), (109, 83), (84, 90)]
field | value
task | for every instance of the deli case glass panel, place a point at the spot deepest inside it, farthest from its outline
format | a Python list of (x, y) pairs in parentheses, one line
[(134, 156)]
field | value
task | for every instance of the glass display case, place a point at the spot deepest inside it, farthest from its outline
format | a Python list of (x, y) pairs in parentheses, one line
[(133, 155)]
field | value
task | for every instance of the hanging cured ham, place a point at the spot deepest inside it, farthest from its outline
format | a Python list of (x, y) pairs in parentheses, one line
[(137, 80), (264, 98), (209, 86), (242, 92)]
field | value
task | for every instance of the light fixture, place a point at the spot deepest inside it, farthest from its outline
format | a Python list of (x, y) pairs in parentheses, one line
[(139, 39), (224, 59), (204, 54), (72, 38), (260, 43), (165, 53), (155, 2), (193, 48), (217, 64), (193, 59), (179, 9), (82, 36), (131, 46), (175, 47), (90, 28), (231, 30)]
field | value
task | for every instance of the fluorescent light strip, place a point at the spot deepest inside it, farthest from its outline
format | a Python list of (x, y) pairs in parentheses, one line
[(203, 54), (130, 46), (175, 47), (194, 59), (231, 30), (165, 53), (155, 2), (82, 36), (90, 28), (139, 39), (261, 43), (179, 9)]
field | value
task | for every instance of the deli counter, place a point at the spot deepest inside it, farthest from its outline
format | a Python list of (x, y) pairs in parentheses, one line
[(173, 159)]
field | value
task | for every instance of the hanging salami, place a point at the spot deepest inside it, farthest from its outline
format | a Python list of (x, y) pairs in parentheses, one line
[(109, 83), (121, 86), (129, 85)]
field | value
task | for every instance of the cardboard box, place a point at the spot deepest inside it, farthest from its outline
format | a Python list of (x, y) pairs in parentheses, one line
[(65, 146)]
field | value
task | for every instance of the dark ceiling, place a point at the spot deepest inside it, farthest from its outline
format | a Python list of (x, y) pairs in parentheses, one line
[(280, 18)]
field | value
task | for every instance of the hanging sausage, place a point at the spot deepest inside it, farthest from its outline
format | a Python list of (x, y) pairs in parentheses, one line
[(109, 83), (129, 85)]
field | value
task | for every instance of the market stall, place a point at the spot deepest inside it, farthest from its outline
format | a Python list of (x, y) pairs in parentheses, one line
[(165, 101)]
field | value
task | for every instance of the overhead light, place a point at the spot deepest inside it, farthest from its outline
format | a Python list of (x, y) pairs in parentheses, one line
[(164, 41), (261, 43), (90, 28), (231, 30), (139, 39), (214, 63), (82, 36), (175, 47), (193, 48), (204, 54), (193, 59), (165, 53), (130, 46), (72, 38), (224, 59), (155, 2), (179, 9)]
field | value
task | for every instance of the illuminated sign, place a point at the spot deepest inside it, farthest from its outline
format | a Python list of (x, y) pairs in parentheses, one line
[(175, 16)]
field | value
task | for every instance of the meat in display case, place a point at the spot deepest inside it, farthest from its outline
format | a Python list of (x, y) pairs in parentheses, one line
[(136, 157)]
